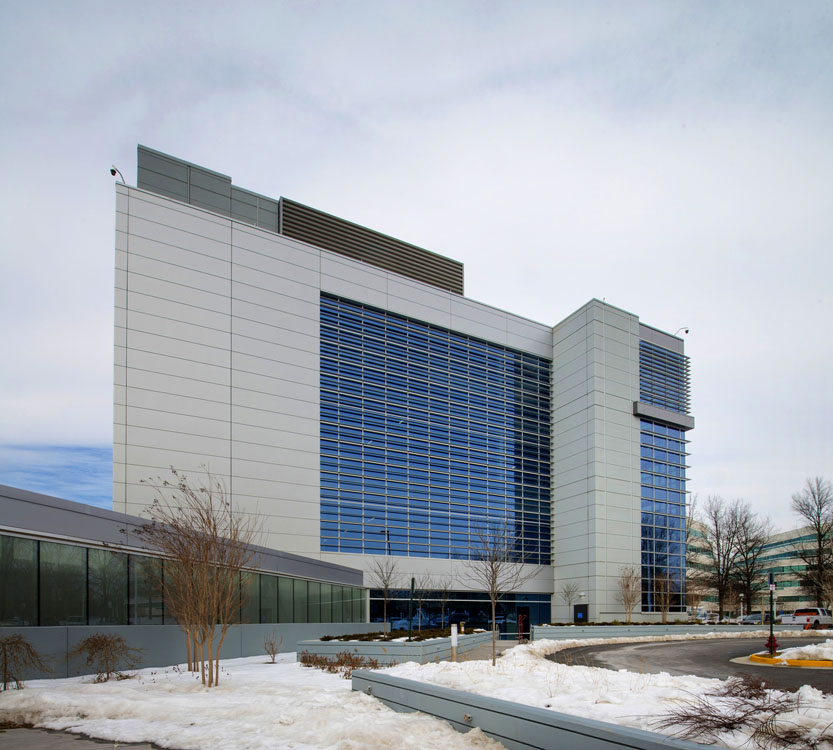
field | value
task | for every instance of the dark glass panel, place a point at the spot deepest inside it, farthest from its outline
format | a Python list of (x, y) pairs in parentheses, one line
[(63, 584), (300, 601), (268, 598), (327, 603), (249, 597), (144, 597), (314, 601), (18, 582), (286, 600), (107, 587)]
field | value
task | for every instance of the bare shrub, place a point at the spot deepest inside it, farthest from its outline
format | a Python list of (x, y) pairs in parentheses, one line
[(629, 590), (741, 704), (17, 656), (343, 663), (272, 646), (206, 546), (106, 653)]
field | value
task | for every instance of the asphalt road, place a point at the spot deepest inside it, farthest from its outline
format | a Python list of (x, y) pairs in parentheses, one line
[(702, 658)]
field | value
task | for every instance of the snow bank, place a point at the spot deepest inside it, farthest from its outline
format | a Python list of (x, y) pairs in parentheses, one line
[(256, 706), (619, 697), (810, 651), (260, 705)]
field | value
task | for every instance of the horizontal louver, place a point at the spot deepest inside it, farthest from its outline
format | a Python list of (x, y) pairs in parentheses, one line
[(339, 236)]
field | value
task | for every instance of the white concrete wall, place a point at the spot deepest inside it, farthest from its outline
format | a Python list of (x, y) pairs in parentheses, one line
[(596, 514), (217, 360)]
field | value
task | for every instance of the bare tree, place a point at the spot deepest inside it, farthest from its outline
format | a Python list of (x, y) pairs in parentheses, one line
[(569, 593), (814, 504), (422, 590), (206, 546), (442, 587), (663, 593), (752, 534), (719, 527), (497, 567), (384, 575), (629, 589)]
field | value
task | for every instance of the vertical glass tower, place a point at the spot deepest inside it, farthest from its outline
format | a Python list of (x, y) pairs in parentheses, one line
[(663, 383)]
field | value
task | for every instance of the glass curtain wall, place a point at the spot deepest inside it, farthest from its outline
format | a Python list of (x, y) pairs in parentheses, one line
[(663, 382), (428, 438), (50, 583), (471, 607)]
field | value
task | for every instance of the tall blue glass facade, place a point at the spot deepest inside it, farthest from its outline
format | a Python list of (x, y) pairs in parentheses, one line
[(663, 515), (428, 436), (663, 382)]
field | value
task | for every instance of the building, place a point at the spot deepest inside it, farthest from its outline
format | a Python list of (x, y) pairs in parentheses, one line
[(343, 387), (779, 556), (68, 570)]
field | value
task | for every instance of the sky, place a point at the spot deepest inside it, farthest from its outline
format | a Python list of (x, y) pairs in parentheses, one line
[(673, 159)]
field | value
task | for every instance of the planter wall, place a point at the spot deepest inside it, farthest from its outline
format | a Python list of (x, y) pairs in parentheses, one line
[(163, 645), (516, 726), (559, 632), (397, 652)]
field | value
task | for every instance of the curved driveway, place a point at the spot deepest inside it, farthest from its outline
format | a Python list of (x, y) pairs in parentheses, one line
[(710, 658)]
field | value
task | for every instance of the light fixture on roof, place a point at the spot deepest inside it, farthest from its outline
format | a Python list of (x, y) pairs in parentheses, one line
[(684, 329), (115, 171)]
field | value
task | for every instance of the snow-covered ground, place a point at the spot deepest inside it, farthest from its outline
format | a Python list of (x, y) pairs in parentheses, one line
[(256, 705), (620, 697), (811, 651), (261, 705)]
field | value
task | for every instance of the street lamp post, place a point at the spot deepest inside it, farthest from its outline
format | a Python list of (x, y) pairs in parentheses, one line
[(741, 606)]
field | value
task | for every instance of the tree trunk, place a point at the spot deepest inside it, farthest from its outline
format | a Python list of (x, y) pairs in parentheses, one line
[(223, 632), (210, 658), (202, 661), (494, 636), (194, 649), (188, 648)]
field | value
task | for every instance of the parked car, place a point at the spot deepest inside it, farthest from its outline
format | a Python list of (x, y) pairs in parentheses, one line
[(754, 619), (707, 618), (812, 616)]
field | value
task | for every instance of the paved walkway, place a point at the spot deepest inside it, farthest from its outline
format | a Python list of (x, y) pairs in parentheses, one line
[(484, 651), (43, 739)]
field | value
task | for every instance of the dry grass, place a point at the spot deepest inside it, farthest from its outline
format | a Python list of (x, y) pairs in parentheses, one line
[(342, 663)]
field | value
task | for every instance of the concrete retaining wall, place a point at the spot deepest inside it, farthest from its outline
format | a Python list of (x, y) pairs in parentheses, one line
[(163, 645), (397, 652), (544, 632), (516, 726)]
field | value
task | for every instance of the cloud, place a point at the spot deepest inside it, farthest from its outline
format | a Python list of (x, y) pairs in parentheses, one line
[(672, 159), (83, 474)]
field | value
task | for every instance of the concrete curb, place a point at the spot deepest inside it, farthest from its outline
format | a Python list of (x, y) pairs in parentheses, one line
[(773, 661)]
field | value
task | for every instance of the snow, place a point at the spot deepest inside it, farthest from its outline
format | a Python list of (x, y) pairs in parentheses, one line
[(817, 651), (620, 697), (259, 705)]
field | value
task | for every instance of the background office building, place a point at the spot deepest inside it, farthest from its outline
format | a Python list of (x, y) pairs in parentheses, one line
[(343, 387)]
